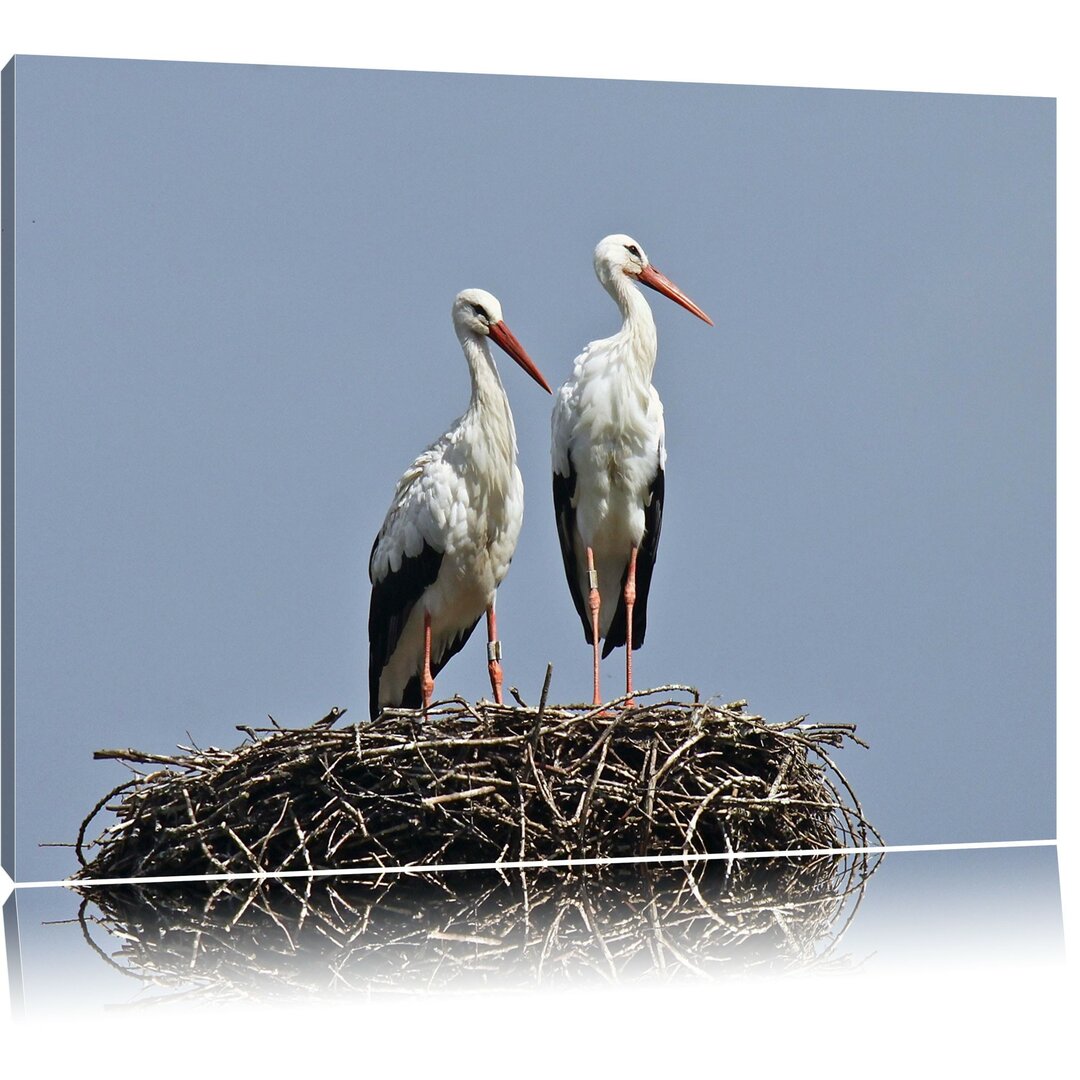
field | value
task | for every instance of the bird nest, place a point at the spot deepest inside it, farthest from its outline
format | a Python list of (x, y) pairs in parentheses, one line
[(274, 938), (481, 783)]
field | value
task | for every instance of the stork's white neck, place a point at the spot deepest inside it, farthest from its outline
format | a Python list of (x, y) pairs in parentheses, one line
[(488, 405), (638, 333)]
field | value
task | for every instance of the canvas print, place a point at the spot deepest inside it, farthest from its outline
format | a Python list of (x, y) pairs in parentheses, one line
[(440, 470)]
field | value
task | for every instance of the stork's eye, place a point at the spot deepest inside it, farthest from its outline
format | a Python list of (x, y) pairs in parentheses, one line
[(633, 249), (480, 313)]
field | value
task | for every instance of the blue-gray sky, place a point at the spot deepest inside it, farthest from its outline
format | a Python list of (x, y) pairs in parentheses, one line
[(233, 327)]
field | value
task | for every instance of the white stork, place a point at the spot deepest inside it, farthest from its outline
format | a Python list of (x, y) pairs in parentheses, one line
[(607, 455), (451, 530)]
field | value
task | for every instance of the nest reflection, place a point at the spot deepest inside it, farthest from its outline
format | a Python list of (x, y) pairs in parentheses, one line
[(475, 929)]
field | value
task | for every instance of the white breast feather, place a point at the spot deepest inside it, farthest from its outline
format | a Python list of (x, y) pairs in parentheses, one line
[(610, 427)]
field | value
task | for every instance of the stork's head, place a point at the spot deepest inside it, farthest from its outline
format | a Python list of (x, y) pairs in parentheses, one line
[(478, 314), (476, 311), (620, 254)]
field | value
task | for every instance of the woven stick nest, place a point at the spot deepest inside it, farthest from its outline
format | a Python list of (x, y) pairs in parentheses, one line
[(465, 783), (464, 930)]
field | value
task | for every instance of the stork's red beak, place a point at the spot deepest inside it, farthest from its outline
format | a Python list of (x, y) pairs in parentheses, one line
[(504, 338), (655, 280)]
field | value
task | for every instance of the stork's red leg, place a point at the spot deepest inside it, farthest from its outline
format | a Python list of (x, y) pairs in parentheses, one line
[(629, 596), (494, 656), (594, 608), (427, 683)]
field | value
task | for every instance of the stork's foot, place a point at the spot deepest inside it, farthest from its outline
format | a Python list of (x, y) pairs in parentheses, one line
[(596, 692), (495, 673), (427, 683), (494, 656), (629, 598), (594, 611)]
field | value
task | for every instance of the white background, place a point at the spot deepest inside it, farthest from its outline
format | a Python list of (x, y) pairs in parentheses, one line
[(1007, 1021)]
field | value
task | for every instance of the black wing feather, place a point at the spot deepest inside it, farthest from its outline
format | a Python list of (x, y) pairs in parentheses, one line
[(392, 601), (646, 560), (565, 519)]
